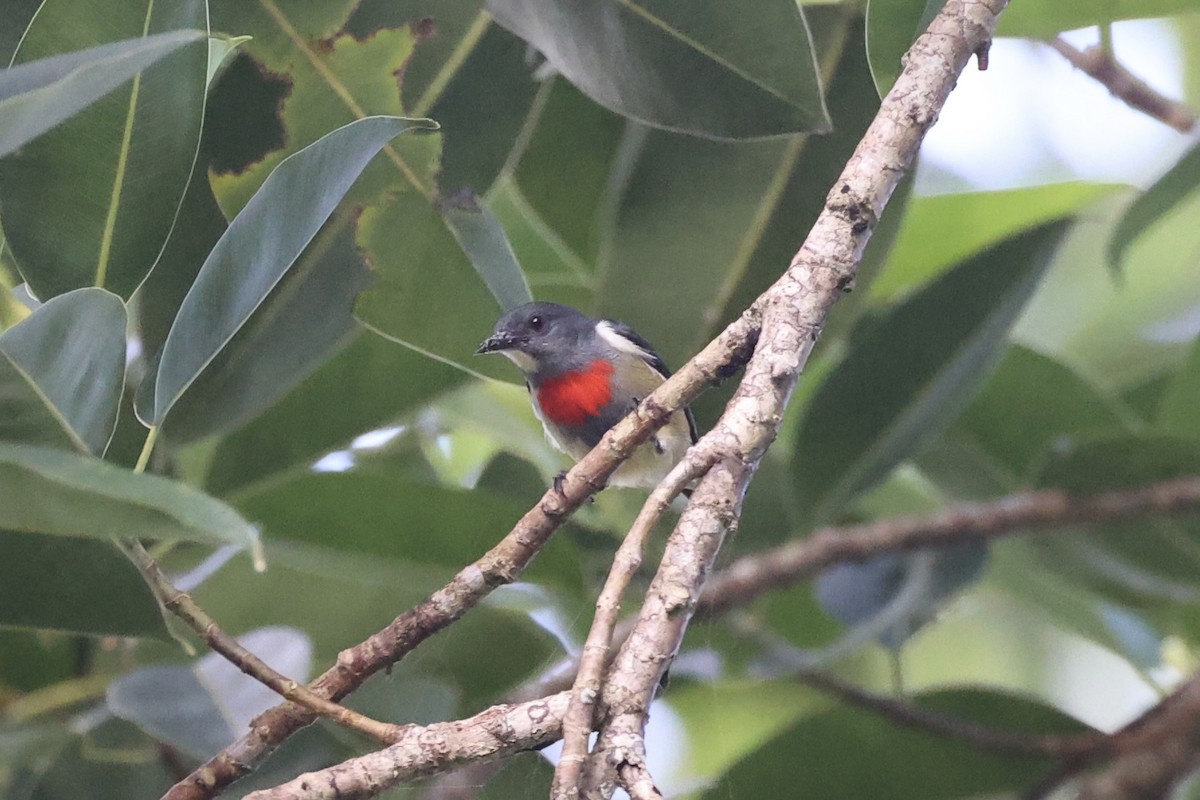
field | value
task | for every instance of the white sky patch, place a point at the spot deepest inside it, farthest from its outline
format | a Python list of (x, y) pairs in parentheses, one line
[(1033, 118), (373, 440), (339, 461)]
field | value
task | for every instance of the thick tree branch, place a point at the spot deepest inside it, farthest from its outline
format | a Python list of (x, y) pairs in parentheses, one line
[(423, 750), (183, 606), (1098, 62), (793, 312), (1050, 509)]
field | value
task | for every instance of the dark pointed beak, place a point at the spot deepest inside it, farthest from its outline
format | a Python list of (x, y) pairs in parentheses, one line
[(495, 343)]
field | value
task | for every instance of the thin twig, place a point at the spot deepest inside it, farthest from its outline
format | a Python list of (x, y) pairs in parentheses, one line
[(1070, 747), (183, 606), (578, 724), (752, 576), (423, 750), (1098, 63)]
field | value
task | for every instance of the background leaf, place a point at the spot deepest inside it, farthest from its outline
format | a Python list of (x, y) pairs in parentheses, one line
[(130, 154), (482, 238), (711, 72), (898, 386), (38, 95), (71, 352), (1151, 205), (47, 491)]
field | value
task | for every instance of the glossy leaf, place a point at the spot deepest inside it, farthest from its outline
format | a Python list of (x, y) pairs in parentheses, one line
[(909, 374), (1154, 203), (1040, 19), (482, 238), (70, 353), (51, 492), (892, 27), (70, 584), (261, 246), (905, 762), (712, 71), (201, 707), (118, 169), (940, 231), (38, 95)]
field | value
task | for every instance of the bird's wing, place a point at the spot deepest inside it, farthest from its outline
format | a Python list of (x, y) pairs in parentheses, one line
[(614, 332)]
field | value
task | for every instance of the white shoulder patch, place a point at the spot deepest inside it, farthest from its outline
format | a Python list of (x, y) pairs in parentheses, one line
[(609, 334)]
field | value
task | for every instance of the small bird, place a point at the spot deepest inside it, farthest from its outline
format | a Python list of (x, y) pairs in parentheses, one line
[(585, 375)]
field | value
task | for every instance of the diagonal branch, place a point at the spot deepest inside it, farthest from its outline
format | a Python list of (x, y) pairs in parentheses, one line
[(752, 576), (1098, 62), (793, 312), (183, 606)]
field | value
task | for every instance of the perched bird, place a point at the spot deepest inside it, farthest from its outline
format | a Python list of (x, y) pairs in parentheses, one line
[(584, 376)]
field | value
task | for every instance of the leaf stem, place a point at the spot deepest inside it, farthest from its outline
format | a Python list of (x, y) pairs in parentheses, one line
[(147, 449)]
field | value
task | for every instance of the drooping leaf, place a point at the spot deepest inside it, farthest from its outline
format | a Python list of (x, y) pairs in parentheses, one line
[(909, 374), (906, 763), (1151, 205), (482, 238), (205, 705), (73, 584), (52, 492), (118, 169), (71, 354), (709, 70), (38, 95), (261, 246)]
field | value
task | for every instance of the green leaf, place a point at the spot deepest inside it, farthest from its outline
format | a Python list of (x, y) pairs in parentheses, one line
[(892, 26), (708, 69), (71, 584), (909, 374), (905, 762), (303, 321), (52, 492), (118, 169), (262, 244), (1039, 19), (370, 384), (38, 95), (482, 238), (71, 354), (396, 519), (1179, 410), (1017, 427), (1154, 203), (940, 231)]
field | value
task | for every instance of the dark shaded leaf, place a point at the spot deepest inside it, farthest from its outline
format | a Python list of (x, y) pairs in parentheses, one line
[(69, 584), (71, 354), (908, 375), (1179, 409), (709, 70), (118, 169), (892, 26), (904, 762)]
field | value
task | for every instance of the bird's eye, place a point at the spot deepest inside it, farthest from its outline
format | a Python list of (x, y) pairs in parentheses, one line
[(536, 322)]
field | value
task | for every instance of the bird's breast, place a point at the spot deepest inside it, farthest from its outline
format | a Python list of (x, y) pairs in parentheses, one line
[(573, 398)]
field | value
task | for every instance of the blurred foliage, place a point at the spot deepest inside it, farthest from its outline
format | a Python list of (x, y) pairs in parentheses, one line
[(265, 249)]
